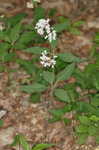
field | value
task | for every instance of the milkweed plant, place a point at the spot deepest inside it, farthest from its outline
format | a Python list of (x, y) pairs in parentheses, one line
[(51, 70)]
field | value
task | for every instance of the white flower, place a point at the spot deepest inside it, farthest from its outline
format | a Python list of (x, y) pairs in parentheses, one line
[(42, 23), (40, 31), (47, 29), (44, 29), (40, 26), (47, 61), (51, 36), (53, 62), (29, 5)]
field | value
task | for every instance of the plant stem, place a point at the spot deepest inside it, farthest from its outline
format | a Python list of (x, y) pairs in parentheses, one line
[(53, 70)]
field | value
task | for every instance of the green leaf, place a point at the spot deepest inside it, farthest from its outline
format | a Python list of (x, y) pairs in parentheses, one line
[(62, 19), (20, 139), (90, 69), (16, 140), (54, 119), (66, 121), (62, 95), (35, 50), (84, 120), (66, 73), (27, 65), (95, 100), (68, 57), (82, 138), (87, 108), (16, 19), (52, 12), (36, 87), (26, 37), (94, 118), (42, 146), (54, 44), (24, 143), (8, 57), (78, 23), (1, 123), (96, 80), (82, 129), (60, 27), (59, 112), (70, 88), (35, 97), (93, 130), (75, 31), (4, 47), (39, 13), (97, 38), (15, 32), (48, 76), (2, 68), (97, 140), (4, 36)]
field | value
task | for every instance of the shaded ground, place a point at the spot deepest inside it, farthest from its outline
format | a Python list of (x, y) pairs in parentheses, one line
[(31, 119)]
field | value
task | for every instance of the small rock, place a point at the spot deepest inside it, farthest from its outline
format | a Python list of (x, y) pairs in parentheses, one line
[(2, 113)]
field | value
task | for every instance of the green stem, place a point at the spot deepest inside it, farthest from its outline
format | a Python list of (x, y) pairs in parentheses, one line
[(52, 84)]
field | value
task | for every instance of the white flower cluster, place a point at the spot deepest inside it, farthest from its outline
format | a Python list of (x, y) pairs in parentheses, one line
[(47, 61), (44, 29)]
